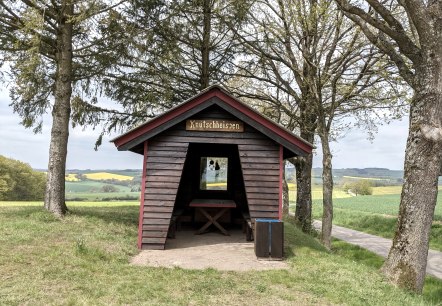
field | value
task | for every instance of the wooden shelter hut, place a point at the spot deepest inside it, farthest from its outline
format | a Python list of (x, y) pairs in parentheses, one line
[(211, 151)]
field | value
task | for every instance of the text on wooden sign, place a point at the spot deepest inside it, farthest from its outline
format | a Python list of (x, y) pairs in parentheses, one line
[(216, 125)]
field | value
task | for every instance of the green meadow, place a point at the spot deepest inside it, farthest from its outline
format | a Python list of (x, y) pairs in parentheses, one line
[(83, 259), (91, 187), (376, 214)]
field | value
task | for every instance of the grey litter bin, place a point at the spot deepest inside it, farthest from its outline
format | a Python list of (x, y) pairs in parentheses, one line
[(269, 238)]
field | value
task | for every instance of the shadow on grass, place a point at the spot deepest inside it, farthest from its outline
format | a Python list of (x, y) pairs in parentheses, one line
[(356, 253), (126, 215), (37, 213), (296, 239), (432, 288), (123, 214)]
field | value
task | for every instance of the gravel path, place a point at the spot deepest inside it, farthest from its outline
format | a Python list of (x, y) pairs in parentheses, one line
[(381, 246), (211, 250)]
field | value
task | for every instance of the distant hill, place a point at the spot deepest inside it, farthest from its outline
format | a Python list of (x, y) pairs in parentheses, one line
[(379, 176), (382, 176), (365, 172)]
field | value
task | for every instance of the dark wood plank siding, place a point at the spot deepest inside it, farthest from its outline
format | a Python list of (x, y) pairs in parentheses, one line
[(259, 158), (260, 167), (163, 172)]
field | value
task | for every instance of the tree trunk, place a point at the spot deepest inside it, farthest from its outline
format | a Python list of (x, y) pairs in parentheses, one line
[(303, 165), (205, 48), (327, 191), (407, 260), (285, 196), (55, 187)]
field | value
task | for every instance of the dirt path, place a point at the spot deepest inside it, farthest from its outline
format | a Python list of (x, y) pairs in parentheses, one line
[(211, 250), (381, 246)]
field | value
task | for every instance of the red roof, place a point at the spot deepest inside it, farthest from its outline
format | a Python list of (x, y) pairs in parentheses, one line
[(203, 100)]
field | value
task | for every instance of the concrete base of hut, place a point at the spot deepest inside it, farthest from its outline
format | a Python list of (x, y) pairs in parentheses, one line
[(210, 250)]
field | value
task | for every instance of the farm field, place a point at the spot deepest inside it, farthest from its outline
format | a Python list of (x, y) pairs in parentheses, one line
[(92, 186), (83, 259), (338, 193), (377, 215), (374, 214), (107, 176), (317, 192), (71, 177)]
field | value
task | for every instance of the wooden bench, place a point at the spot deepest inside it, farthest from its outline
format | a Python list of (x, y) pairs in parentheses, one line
[(174, 223), (248, 226)]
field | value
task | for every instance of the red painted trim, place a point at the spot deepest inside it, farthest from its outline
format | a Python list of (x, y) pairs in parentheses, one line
[(231, 101), (264, 121), (281, 172), (157, 121), (143, 188)]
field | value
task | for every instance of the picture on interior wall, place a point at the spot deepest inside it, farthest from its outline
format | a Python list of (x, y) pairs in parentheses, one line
[(213, 173)]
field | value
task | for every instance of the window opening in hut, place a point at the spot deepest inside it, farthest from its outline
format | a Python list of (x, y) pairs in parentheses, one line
[(213, 173)]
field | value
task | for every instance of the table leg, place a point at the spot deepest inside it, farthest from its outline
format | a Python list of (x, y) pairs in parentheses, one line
[(208, 223), (212, 220), (216, 217)]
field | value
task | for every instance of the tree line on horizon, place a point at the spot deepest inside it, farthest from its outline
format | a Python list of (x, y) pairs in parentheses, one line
[(19, 182), (309, 65)]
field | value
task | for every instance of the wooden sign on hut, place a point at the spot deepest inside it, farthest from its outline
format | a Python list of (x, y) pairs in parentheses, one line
[(211, 154)]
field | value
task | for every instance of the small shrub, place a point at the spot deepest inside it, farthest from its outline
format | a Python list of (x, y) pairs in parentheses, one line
[(76, 199), (109, 188), (363, 187), (123, 198), (360, 187)]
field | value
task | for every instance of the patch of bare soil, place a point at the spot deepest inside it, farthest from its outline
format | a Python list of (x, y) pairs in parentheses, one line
[(210, 250)]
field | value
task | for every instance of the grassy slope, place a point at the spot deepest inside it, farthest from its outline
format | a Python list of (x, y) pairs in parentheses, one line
[(376, 215), (83, 259)]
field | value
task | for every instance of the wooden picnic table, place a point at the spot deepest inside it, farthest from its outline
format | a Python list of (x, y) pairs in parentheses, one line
[(203, 206)]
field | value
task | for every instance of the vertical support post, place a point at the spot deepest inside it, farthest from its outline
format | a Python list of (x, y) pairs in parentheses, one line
[(281, 172), (143, 188)]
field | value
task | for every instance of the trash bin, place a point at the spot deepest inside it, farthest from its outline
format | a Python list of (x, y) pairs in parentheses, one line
[(269, 238)]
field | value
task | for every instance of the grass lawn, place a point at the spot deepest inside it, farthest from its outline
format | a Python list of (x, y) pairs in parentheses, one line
[(83, 260)]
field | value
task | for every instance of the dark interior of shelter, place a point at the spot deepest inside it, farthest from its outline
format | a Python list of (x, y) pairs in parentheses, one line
[(211, 171)]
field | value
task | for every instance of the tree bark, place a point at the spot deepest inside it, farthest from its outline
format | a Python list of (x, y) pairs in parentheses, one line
[(55, 187), (407, 259), (327, 191), (303, 165), (205, 48)]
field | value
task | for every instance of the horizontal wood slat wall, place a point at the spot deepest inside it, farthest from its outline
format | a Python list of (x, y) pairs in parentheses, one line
[(163, 173), (259, 158), (260, 168)]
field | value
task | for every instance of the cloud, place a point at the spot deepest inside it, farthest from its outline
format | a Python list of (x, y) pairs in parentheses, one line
[(352, 151), (22, 144), (387, 150)]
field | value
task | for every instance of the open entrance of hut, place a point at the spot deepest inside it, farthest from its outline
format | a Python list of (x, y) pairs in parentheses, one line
[(211, 193)]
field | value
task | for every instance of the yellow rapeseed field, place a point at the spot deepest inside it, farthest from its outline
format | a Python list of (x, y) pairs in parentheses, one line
[(71, 177), (107, 176), (317, 192)]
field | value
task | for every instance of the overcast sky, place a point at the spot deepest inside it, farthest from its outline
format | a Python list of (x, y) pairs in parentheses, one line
[(352, 151)]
